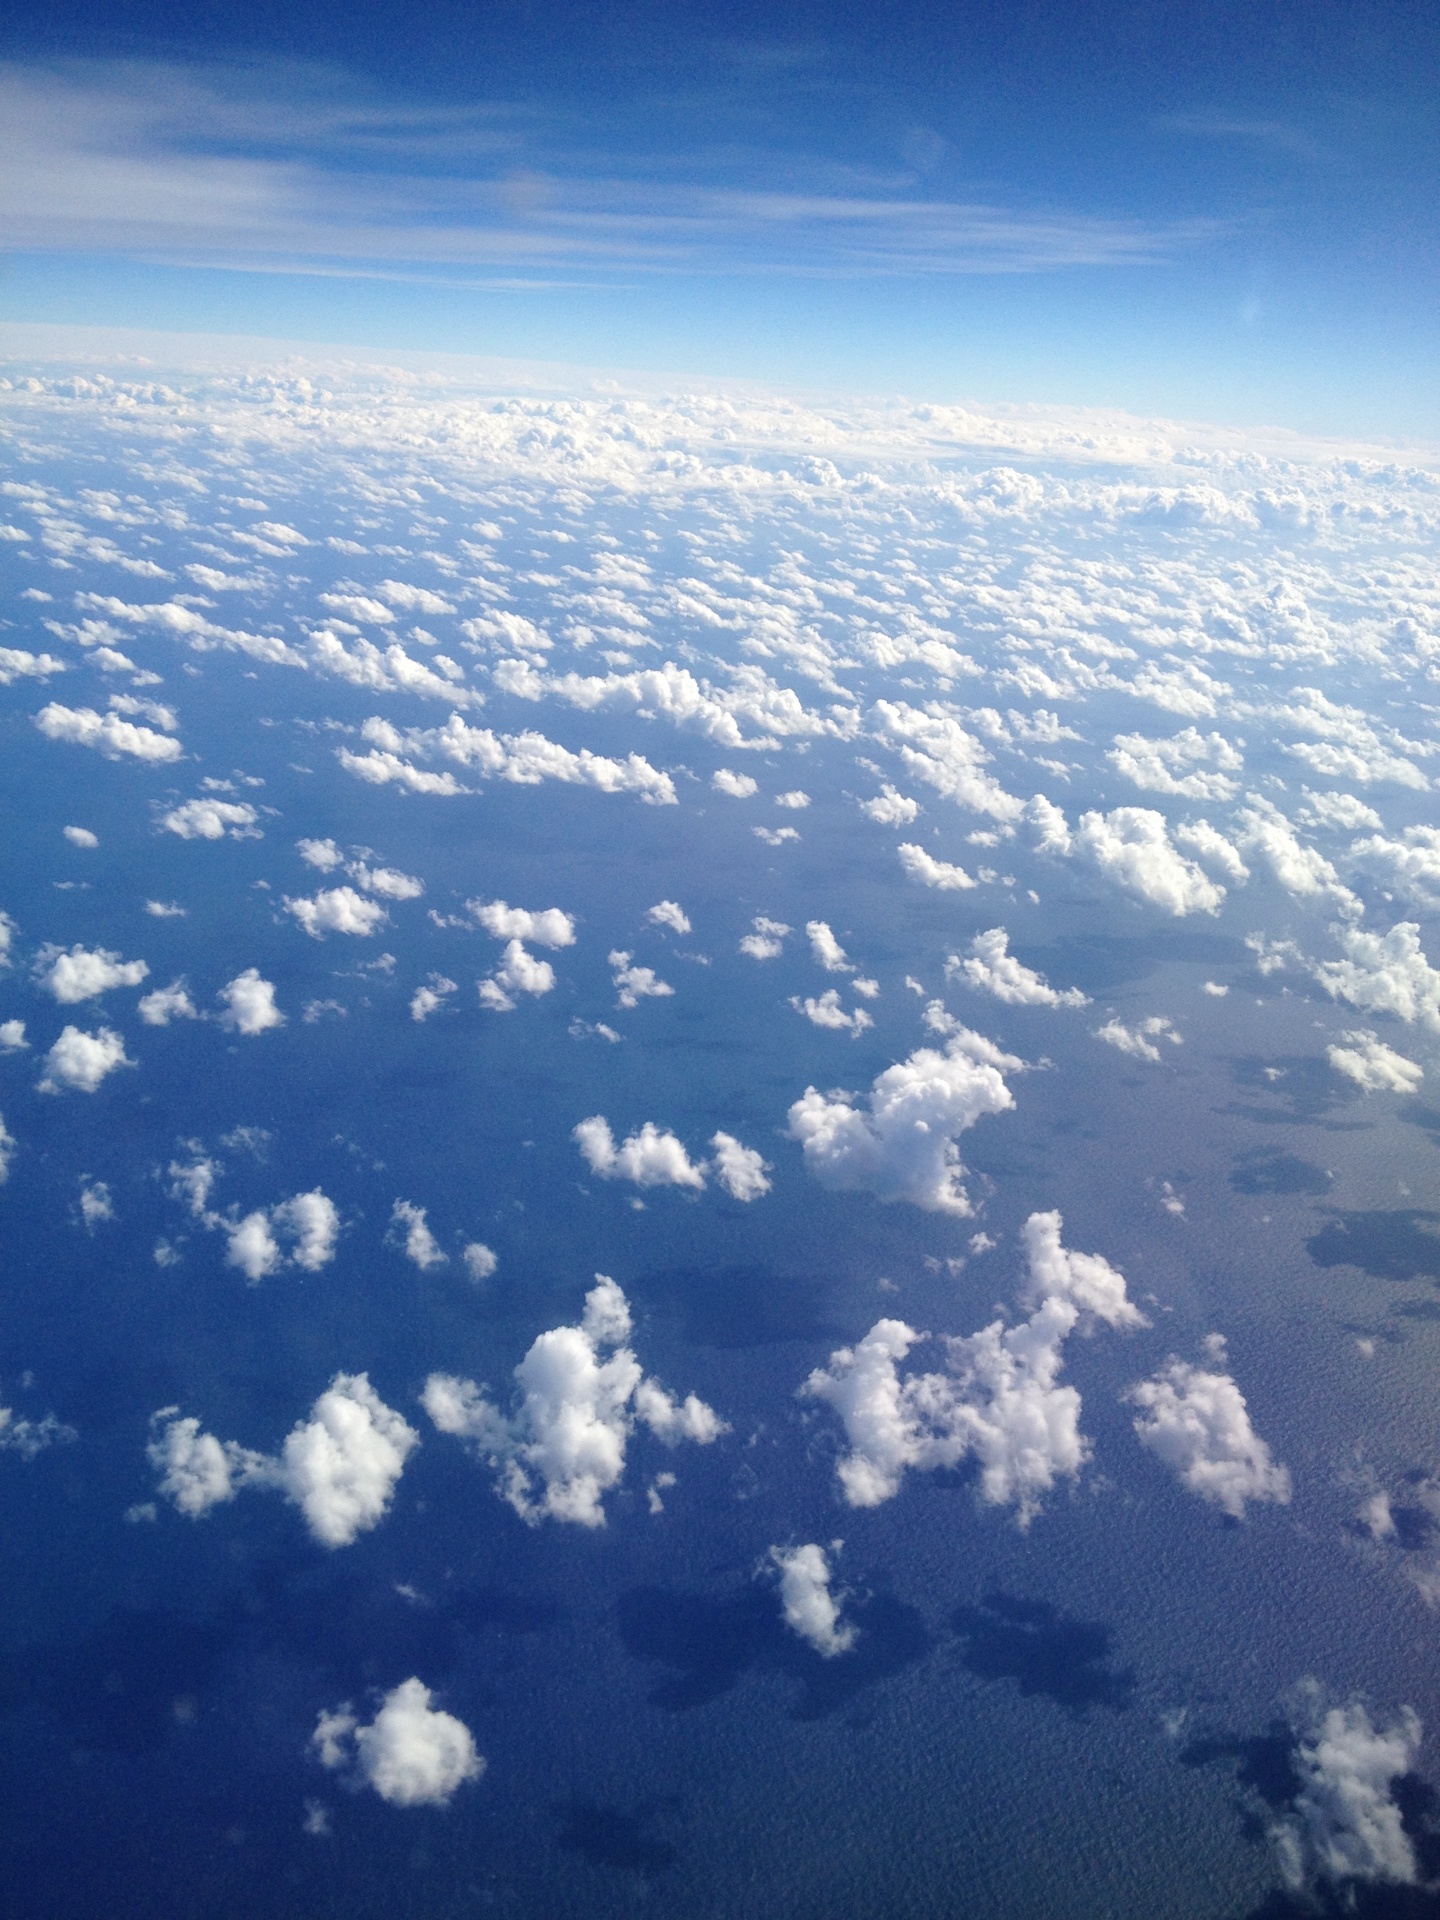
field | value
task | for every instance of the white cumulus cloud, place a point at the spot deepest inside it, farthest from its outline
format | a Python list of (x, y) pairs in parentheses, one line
[(548, 927), (942, 874), (249, 1004), (212, 820), (634, 984), (1196, 1420), (1385, 973), (650, 1158), (741, 1170), (809, 1606), (82, 973), (1361, 1057), (107, 733), (518, 972), (1344, 1823), (80, 1061), (1131, 846), (412, 1753), (990, 967), (411, 1230), (337, 910), (669, 913)]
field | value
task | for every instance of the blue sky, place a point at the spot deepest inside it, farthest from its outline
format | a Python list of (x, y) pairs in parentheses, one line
[(1227, 213)]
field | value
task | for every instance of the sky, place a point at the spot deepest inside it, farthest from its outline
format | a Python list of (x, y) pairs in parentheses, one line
[(1224, 214)]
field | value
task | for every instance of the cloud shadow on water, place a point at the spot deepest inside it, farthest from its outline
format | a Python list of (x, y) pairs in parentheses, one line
[(741, 1306), (1043, 1651), (1298, 1088), (1267, 1173), (711, 1645), (1400, 1243), (608, 1837)]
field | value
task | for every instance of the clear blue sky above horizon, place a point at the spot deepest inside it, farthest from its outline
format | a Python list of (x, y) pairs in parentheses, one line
[(1226, 211)]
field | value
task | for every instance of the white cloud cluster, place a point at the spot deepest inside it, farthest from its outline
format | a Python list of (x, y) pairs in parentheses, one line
[(825, 949), (249, 1004), (937, 749), (212, 819), (518, 972), (826, 1011), (942, 874), (1192, 765), (340, 1467), (1132, 847), (1385, 973), (669, 913), (1139, 1041), (650, 1158), (412, 1753), (891, 808), (998, 1401), (78, 1062), (1409, 866), (1366, 1060), (165, 1004), (810, 1608), (337, 910), (431, 997), (548, 927), (1267, 835), (29, 1437), (581, 1393), (990, 967), (739, 786), (410, 1229), (1344, 1824), (767, 942), (900, 1145), (298, 1232), (634, 984), (83, 974), (1196, 1420), (525, 759), (108, 734)]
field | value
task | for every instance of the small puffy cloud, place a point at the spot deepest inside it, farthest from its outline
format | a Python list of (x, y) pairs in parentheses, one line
[(340, 1467), (249, 1004), (1048, 824), (81, 837), (165, 910), (634, 984), (547, 928), (323, 854), (1267, 835), (1409, 866), (29, 1437), (337, 910), (809, 1606), (1194, 765), (80, 1061), (411, 1753), (649, 1158), (1213, 850), (900, 1144), (1344, 1824), (7, 1150), (1196, 1421), (96, 1204), (82, 974), (1385, 973), (12, 1036), (891, 808), (930, 872), (998, 1399), (828, 1012), (429, 999), (669, 913), (1139, 1041), (107, 733), (308, 1225), (795, 800), (1372, 1065), (165, 1004), (580, 1394), (212, 820), (518, 972), (990, 967), (825, 949), (740, 1170), (410, 1230), (480, 1261), (775, 836), (388, 882), (739, 786), (1131, 846), (767, 942)]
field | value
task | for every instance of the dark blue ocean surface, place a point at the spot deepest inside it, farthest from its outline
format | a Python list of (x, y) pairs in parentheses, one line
[(1220, 1054)]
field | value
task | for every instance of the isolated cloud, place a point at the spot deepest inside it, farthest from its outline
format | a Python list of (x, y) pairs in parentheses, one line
[(1139, 1041), (212, 820), (480, 1261), (411, 1753), (1372, 1065), (323, 854), (518, 972), (431, 998), (108, 734), (249, 1004), (767, 942), (669, 913), (825, 949), (547, 928), (739, 786), (891, 808), (12, 1036), (942, 874), (8, 1145), (83, 973), (300, 1232), (990, 967), (1344, 1824), (81, 837), (1197, 1422), (337, 910), (581, 1392), (410, 1229), (340, 1467), (741, 1170), (80, 1061), (634, 984), (1385, 973), (165, 1004), (1131, 846), (809, 1606), (650, 1158), (900, 1145), (827, 1012)]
